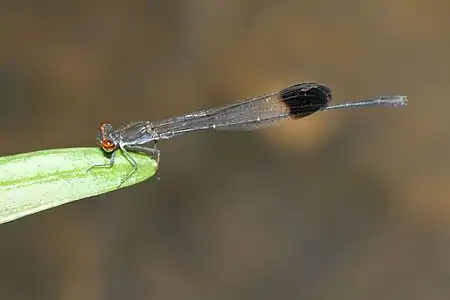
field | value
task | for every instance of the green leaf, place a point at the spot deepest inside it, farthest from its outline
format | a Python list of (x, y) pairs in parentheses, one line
[(36, 181)]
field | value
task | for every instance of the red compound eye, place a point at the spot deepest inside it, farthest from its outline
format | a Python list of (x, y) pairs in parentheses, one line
[(107, 145)]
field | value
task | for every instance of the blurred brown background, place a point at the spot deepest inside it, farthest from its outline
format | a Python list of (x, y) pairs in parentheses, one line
[(341, 205)]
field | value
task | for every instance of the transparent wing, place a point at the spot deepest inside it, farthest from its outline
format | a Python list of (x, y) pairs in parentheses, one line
[(250, 114), (296, 102)]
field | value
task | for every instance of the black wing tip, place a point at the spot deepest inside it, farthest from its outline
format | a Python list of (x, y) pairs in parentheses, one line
[(304, 99)]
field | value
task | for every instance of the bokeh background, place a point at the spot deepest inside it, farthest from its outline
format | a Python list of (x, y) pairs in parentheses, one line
[(341, 205)]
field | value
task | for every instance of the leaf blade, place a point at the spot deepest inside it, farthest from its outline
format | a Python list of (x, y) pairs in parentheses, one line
[(37, 181)]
